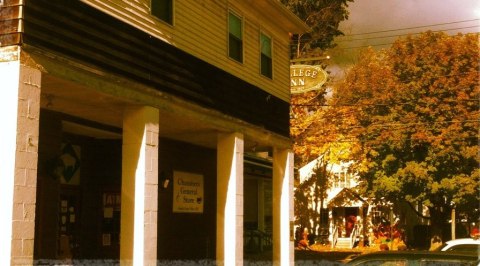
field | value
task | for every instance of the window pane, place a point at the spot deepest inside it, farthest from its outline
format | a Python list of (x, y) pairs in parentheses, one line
[(265, 55), (445, 262), (235, 43), (465, 248), (163, 9), (235, 48), (266, 66), (235, 26), (266, 45)]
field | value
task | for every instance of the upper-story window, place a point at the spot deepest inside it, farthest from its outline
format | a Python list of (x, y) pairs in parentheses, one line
[(163, 9), (235, 39), (265, 55)]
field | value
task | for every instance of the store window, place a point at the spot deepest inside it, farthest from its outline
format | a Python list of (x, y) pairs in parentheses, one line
[(162, 9), (235, 41), (265, 55)]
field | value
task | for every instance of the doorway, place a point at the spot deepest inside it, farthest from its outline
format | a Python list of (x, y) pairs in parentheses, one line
[(68, 224), (351, 214)]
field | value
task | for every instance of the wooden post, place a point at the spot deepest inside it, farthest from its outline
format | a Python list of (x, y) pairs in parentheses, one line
[(453, 223)]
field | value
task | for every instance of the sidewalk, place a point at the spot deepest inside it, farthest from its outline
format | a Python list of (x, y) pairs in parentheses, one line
[(328, 248)]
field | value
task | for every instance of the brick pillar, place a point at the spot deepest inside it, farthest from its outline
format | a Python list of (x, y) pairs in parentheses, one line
[(138, 235), (283, 216), (20, 111), (230, 199)]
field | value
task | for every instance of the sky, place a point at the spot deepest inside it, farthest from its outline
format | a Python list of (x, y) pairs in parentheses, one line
[(378, 23)]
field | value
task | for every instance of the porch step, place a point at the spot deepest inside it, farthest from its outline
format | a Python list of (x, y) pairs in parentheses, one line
[(343, 242)]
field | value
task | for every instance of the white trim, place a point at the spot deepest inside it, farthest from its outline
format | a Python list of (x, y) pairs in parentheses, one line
[(9, 75)]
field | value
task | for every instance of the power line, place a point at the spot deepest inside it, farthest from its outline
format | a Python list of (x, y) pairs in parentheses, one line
[(382, 141), (399, 35), (403, 81), (403, 125), (373, 104), (383, 44), (295, 41), (370, 104), (417, 27)]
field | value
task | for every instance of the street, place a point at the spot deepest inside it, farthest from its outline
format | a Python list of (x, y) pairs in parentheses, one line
[(304, 257)]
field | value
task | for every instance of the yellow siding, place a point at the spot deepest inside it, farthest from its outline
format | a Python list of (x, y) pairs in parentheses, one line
[(200, 28)]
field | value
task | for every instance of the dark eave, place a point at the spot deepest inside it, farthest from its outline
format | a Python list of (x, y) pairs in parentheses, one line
[(82, 33)]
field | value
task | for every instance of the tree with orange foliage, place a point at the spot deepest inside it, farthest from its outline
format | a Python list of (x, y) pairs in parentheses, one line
[(414, 110), (307, 109)]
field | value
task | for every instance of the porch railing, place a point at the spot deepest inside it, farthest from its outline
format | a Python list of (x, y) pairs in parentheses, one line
[(334, 236), (353, 236)]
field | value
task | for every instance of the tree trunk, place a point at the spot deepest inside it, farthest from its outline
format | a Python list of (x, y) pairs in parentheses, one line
[(316, 218), (439, 222)]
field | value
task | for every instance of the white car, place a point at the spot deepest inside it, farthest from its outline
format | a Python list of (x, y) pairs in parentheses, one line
[(462, 245)]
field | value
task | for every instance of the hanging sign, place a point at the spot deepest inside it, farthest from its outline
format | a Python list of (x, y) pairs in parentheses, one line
[(68, 165), (304, 78), (187, 192)]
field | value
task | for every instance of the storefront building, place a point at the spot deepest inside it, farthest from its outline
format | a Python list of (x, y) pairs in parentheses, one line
[(135, 130)]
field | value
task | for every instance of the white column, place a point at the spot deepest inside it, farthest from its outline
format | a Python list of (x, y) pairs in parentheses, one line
[(283, 215), (230, 199), (20, 112), (138, 226)]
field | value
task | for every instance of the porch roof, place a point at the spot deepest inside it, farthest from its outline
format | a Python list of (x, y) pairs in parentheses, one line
[(344, 197)]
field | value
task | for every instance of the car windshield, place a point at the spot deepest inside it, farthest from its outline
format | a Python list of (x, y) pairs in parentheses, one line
[(441, 247), (448, 262), (465, 248)]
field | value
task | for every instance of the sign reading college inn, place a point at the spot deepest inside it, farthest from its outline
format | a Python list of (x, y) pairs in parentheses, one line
[(304, 78)]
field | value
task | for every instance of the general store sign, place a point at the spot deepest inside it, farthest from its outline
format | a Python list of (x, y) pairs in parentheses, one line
[(188, 191), (304, 78)]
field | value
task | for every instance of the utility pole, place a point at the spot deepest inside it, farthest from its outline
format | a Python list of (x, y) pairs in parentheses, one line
[(453, 222)]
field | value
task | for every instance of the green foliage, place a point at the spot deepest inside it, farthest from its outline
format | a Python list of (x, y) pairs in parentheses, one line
[(415, 111), (323, 17)]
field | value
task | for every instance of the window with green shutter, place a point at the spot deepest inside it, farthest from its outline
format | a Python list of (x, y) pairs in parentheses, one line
[(235, 42), (265, 55)]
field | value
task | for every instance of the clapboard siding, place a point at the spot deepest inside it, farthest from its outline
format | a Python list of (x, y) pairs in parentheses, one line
[(10, 22), (211, 35), (200, 29), (84, 34), (282, 73)]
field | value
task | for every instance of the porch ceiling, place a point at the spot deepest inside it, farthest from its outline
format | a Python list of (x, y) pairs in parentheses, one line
[(69, 98), (100, 115)]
